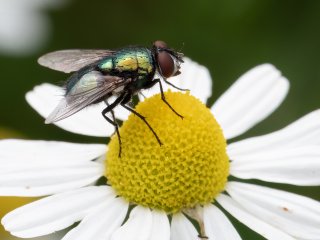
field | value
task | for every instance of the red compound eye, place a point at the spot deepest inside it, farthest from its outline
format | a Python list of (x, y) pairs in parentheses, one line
[(165, 61), (166, 64)]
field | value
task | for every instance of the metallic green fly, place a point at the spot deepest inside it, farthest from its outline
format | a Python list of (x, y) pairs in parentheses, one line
[(100, 74)]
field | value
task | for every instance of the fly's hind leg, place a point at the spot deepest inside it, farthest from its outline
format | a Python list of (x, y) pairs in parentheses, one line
[(113, 121), (115, 124)]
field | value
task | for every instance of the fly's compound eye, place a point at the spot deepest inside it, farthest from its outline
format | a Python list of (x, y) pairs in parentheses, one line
[(169, 65)]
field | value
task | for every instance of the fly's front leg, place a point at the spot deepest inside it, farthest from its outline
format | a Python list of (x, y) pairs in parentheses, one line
[(113, 121), (152, 83), (172, 85)]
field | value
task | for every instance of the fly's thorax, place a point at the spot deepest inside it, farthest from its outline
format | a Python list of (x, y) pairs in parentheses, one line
[(145, 61), (133, 60)]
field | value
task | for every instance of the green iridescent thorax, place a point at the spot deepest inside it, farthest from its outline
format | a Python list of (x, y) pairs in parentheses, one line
[(138, 60)]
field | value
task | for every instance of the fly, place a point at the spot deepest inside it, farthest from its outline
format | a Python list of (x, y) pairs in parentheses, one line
[(100, 74)]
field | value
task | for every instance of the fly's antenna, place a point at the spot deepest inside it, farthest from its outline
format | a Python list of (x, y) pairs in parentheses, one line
[(181, 48)]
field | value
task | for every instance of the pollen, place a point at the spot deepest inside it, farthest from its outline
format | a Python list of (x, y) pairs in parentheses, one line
[(190, 168)]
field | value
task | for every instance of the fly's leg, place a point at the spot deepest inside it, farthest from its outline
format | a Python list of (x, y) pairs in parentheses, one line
[(142, 95), (123, 104), (113, 121), (115, 124), (155, 81), (172, 85), (143, 119)]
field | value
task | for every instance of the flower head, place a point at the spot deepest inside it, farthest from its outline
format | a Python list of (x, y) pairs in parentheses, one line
[(187, 175), (184, 171)]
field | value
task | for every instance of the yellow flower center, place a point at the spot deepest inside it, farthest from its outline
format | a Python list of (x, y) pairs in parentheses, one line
[(190, 168)]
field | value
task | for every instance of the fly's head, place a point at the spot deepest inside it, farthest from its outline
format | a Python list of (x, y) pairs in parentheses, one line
[(168, 60)]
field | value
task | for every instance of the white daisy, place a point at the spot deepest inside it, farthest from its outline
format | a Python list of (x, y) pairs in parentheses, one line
[(188, 175), (24, 27)]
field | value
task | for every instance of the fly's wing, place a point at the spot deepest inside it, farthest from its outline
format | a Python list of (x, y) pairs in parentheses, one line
[(72, 60), (90, 88)]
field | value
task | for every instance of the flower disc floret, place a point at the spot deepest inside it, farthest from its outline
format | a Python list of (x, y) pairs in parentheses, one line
[(190, 168)]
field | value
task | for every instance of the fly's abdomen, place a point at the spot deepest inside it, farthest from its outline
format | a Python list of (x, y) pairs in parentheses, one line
[(78, 84)]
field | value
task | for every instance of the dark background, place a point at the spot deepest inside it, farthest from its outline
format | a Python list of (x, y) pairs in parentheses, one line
[(229, 37)]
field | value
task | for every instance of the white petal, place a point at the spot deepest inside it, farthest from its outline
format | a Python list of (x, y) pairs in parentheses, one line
[(194, 77), (294, 214), (37, 168), (101, 223), (264, 229), (181, 228), (137, 227), (89, 121), (160, 226), (217, 225), (28, 29), (303, 132), (45, 178), (55, 212), (252, 98), (28, 151), (298, 166)]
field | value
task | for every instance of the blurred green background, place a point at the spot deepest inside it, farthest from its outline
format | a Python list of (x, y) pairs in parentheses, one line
[(229, 37)]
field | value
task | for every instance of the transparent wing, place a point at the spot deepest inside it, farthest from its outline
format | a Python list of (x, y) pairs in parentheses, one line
[(90, 88), (72, 60)]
